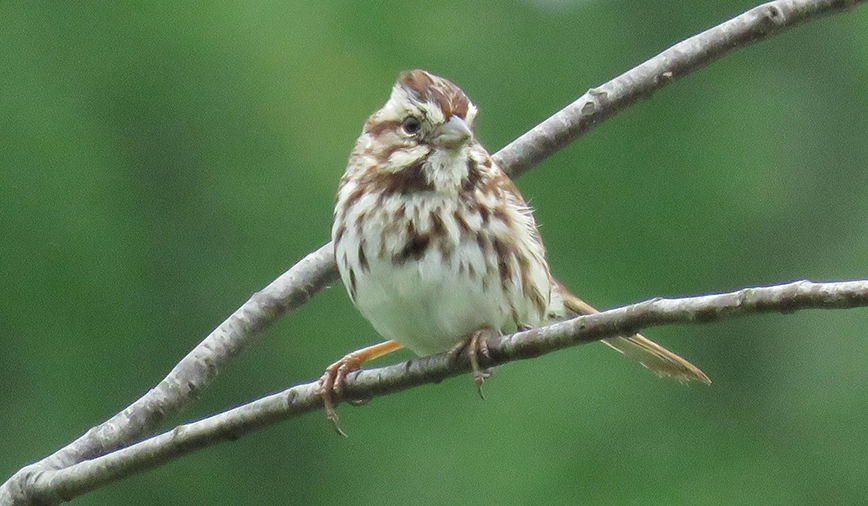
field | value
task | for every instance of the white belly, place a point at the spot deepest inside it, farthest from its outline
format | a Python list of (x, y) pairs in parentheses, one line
[(427, 308)]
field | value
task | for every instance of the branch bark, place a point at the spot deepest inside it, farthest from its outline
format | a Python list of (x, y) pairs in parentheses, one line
[(367, 384), (292, 289)]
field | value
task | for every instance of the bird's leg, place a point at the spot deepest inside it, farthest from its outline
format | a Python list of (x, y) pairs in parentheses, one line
[(474, 345), (331, 384)]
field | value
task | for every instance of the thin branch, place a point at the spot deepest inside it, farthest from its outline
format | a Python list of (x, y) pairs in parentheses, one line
[(600, 104), (193, 373), (292, 289), (367, 384)]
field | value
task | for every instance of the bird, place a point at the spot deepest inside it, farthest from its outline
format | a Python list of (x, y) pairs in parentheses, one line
[(436, 246)]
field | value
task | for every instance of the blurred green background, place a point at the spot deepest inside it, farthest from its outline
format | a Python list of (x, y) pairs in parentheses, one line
[(162, 161)]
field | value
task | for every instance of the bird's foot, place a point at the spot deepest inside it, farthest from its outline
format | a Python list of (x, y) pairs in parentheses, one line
[(475, 346)]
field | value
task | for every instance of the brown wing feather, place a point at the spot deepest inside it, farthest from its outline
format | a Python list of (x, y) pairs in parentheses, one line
[(661, 361)]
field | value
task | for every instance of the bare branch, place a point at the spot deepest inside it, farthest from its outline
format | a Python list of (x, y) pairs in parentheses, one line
[(367, 384), (292, 289), (599, 104), (193, 373)]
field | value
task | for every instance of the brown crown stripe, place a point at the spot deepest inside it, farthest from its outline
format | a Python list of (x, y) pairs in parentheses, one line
[(448, 97), (416, 80)]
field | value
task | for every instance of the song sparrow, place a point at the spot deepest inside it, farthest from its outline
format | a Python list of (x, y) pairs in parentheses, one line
[(435, 245)]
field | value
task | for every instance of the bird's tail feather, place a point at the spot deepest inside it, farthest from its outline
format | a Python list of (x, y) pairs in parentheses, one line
[(658, 359)]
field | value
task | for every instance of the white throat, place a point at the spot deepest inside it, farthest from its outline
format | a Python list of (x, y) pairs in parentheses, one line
[(445, 168)]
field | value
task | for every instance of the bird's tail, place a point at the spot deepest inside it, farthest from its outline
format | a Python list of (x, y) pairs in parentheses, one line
[(661, 361)]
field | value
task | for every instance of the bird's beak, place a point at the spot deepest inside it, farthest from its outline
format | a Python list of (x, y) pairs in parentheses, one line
[(453, 134)]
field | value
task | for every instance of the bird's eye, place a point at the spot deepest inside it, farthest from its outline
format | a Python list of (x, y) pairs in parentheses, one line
[(411, 125)]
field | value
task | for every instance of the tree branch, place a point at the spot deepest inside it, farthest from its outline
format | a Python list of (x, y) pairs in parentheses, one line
[(292, 289), (600, 104), (367, 384), (193, 373)]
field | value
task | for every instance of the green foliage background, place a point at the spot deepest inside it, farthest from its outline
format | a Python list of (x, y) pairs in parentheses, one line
[(161, 161)]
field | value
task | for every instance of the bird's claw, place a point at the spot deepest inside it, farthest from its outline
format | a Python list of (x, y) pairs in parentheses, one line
[(331, 386), (475, 346)]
